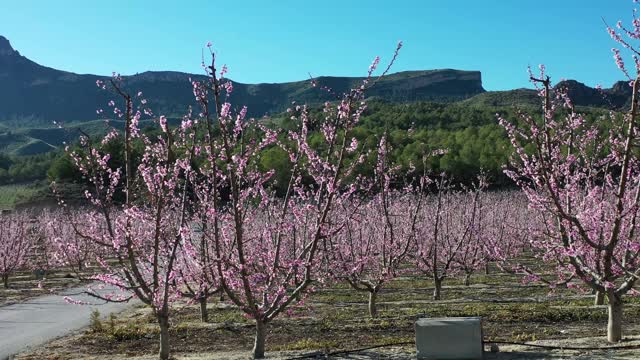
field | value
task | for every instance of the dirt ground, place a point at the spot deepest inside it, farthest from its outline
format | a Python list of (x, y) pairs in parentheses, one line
[(505, 352), (335, 319)]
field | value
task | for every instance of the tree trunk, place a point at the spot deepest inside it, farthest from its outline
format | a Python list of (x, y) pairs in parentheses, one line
[(437, 289), (598, 298), (204, 313), (614, 327), (467, 279), (163, 321), (486, 268), (261, 337), (373, 308), (5, 280)]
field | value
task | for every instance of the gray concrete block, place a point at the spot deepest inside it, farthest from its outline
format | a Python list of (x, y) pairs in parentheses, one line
[(449, 338)]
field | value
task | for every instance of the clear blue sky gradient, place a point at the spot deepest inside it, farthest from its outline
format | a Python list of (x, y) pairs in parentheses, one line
[(282, 40)]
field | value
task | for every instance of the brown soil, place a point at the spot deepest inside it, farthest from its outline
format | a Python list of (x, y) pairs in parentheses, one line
[(336, 319)]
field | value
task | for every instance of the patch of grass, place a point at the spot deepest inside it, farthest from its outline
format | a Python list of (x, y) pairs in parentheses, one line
[(514, 312), (12, 195), (120, 330), (95, 324), (228, 316), (308, 344), (131, 331)]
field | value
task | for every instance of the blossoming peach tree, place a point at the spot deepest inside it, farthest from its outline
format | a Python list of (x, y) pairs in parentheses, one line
[(189, 211), (16, 242), (268, 251), (585, 182), (67, 248), (379, 230), (447, 229), (139, 214)]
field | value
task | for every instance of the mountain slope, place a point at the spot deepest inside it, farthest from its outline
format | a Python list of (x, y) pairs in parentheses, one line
[(32, 91)]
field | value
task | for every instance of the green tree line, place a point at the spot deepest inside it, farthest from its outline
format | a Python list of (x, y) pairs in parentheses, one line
[(470, 137)]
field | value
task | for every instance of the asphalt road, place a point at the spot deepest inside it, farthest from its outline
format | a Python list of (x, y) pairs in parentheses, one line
[(45, 318)]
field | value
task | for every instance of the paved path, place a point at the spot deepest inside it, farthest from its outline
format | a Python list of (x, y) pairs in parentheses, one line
[(39, 320)]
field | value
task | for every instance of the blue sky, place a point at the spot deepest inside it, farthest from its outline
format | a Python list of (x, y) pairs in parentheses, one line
[(282, 40)]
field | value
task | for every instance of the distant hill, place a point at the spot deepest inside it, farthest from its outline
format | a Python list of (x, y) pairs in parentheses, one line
[(39, 93), (518, 97), (32, 96), (616, 97)]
